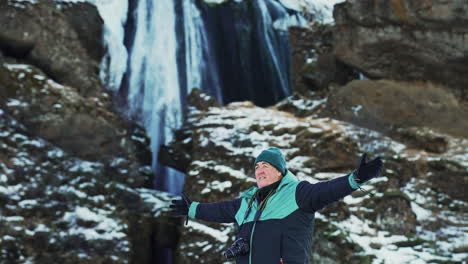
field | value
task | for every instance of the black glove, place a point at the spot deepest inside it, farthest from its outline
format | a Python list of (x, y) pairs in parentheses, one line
[(180, 207), (367, 171)]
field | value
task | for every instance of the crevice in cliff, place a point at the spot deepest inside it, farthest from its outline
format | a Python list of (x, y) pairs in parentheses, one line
[(15, 48)]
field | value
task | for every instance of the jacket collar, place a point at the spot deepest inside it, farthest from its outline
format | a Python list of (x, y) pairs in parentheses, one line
[(287, 179)]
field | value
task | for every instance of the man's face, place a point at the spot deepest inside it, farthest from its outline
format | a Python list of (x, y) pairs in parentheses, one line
[(266, 174)]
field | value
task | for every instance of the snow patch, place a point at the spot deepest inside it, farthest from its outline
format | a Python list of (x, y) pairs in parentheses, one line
[(218, 235), (106, 228)]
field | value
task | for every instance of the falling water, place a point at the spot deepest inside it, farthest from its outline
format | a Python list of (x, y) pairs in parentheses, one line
[(200, 68), (158, 50)]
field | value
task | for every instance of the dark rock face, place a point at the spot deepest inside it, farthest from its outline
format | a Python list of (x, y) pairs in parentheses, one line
[(75, 158), (53, 39), (393, 213), (313, 65), (200, 101), (81, 126), (456, 185), (405, 40), (88, 24), (74, 175), (57, 208)]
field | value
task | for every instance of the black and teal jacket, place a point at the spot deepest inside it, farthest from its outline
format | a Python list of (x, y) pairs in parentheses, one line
[(285, 227)]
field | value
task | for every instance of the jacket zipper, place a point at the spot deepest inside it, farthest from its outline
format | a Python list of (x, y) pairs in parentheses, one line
[(251, 239), (281, 248)]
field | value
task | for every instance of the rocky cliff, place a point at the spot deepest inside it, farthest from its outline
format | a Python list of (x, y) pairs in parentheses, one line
[(386, 79), (74, 175), (405, 40), (61, 38)]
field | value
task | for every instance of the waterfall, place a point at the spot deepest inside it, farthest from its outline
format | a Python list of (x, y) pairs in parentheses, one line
[(200, 68), (248, 44), (158, 50), (153, 90), (114, 63)]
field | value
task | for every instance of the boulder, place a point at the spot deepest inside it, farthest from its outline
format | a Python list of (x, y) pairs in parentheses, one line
[(64, 41), (178, 154), (387, 105), (455, 186), (405, 40), (423, 138), (392, 212), (201, 100), (81, 126)]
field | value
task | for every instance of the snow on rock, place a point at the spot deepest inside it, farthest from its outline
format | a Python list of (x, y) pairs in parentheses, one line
[(322, 9), (60, 208)]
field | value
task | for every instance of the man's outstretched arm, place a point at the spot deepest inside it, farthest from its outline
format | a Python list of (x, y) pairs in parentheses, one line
[(313, 197), (221, 212)]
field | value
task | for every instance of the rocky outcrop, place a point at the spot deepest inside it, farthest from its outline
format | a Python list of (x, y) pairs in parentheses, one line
[(405, 40), (396, 107), (413, 52), (220, 144), (313, 65), (53, 37), (74, 176), (84, 127), (85, 20), (58, 208)]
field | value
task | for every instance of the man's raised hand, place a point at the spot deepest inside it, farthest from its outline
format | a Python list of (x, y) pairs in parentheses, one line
[(369, 170), (180, 207)]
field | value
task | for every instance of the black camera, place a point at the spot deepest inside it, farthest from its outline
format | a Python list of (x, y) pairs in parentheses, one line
[(239, 247)]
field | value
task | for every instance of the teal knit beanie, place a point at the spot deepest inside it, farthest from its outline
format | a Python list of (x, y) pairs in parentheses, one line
[(274, 157)]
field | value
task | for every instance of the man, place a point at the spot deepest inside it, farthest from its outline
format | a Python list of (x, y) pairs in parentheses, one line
[(275, 218)]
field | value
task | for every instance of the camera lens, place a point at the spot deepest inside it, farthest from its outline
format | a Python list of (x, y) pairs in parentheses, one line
[(238, 248), (228, 254)]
